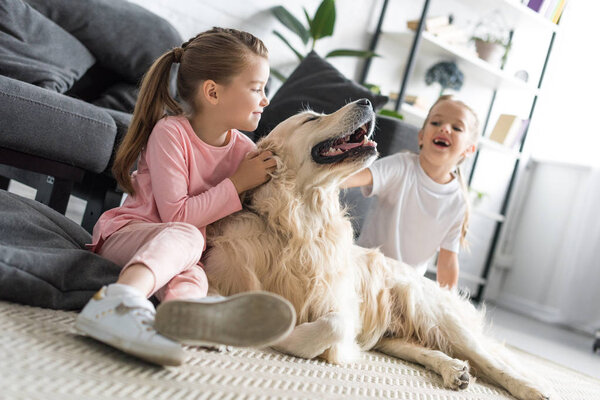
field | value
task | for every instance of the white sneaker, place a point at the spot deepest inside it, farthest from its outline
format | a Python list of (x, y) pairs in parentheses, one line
[(120, 316), (254, 319)]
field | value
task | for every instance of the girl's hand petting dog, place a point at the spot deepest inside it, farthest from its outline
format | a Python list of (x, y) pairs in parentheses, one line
[(253, 170)]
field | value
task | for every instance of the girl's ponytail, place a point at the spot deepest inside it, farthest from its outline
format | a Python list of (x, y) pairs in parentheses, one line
[(465, 224), (153, 101)]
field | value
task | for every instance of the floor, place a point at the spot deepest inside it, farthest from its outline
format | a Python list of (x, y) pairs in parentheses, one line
[(562, 346)]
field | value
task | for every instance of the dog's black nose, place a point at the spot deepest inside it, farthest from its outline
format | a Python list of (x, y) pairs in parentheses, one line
[(363, 102)]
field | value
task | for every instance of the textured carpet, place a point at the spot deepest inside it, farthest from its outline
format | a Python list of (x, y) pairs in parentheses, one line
[(41, 357)]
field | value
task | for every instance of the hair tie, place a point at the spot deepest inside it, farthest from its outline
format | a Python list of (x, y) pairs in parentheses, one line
[(178, 53)]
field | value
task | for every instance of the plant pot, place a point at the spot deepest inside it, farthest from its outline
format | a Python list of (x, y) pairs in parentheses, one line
[(490, 52)]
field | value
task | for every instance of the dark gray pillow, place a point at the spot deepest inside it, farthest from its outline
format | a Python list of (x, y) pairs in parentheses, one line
[(124, 37), (315, 84), (35, 50), (43, 261)]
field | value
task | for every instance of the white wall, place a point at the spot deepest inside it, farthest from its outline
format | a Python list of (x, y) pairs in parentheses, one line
[(352, 22), (531, 271), (564, 127)]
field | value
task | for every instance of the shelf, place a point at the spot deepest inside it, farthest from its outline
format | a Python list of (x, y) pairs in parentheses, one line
[(514, 11), (462, 275), (486, 143), (471, 65), (488, 214), (413, 115)]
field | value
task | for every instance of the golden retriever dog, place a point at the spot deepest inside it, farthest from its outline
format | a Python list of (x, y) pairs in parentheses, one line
[(294, 238)]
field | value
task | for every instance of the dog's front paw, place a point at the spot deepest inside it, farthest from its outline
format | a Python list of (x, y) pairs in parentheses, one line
[(342, 353), (456, 374), (531, 392)]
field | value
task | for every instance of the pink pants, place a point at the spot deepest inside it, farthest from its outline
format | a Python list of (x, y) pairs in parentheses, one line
[(171, 251)]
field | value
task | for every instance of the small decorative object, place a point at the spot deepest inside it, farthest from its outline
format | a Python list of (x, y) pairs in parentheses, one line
[(522, 75), (447, 74)]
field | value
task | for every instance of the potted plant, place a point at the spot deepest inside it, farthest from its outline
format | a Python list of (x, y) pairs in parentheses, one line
[(320, 25), (447, 74), (492, 38), (491, 48)]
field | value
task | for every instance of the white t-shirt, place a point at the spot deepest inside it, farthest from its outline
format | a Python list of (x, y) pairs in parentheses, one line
[(412, 216)]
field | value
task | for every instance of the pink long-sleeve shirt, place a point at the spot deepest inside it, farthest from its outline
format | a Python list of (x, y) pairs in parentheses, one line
[(179, 179)]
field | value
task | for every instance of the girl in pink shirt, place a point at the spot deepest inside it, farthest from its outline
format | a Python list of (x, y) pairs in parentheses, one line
[(192, 164)]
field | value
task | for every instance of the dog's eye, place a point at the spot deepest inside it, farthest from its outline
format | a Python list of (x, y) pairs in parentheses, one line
[(311, 118)]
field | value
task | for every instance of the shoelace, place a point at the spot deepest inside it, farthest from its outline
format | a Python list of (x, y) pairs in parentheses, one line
[(143, 314)]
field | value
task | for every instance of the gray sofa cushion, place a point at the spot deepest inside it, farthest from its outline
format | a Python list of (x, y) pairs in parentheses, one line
[(315, 84), (124, 37), (87, 133), (34, 49), (43, 261), (122, 120)]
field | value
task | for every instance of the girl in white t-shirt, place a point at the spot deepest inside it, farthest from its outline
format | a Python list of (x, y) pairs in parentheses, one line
[(421, 200)]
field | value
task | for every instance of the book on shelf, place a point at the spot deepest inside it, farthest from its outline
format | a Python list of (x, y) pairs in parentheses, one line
[(535, 5), (450, 33), (549, 9), (415, 101), (443, 29), (545, 6), (558, 11), (509, 130), (520, 133), (430, 23)]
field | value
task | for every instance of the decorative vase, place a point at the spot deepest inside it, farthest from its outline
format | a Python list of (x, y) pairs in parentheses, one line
[(490, 52)]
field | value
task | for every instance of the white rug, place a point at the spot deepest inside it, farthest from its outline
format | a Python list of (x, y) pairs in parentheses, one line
[(41, 357)]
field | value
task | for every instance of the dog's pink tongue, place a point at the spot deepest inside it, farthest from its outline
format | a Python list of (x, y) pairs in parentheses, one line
[(347, 146)]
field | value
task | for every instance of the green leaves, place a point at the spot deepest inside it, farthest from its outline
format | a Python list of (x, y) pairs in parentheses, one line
[(391, 113), (291, 22), (319, 26), (277, 74), (351, 53), (324, 20), (284, 40)]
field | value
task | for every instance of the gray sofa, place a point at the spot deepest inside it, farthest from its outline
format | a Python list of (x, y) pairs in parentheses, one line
[(69, 71)]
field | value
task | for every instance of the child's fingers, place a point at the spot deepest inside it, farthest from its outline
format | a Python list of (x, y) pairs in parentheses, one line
[(270, 163), (265, 155)]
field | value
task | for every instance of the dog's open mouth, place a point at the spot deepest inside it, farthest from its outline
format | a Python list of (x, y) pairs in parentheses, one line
[(352, 145)]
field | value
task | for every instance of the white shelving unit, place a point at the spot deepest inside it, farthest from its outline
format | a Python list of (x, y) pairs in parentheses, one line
[(494, 80), (468, 62), (516, 11)]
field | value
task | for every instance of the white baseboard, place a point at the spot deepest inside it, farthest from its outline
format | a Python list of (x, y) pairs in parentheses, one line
[(540, 312), (529, 308)]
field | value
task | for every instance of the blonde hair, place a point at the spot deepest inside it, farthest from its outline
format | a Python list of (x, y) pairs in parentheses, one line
[(473, 131), (218, 54)]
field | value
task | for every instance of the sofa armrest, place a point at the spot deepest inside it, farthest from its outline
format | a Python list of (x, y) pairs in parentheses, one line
[(47, 124)]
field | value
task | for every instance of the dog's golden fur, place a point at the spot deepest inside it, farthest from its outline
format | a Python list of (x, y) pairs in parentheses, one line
[(293, 238)]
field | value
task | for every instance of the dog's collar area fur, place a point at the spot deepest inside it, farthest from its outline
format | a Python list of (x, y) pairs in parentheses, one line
[(356, 144)]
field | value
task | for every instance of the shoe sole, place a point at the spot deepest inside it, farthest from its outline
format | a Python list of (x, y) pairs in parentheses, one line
[(137, 349), (251, 319)]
